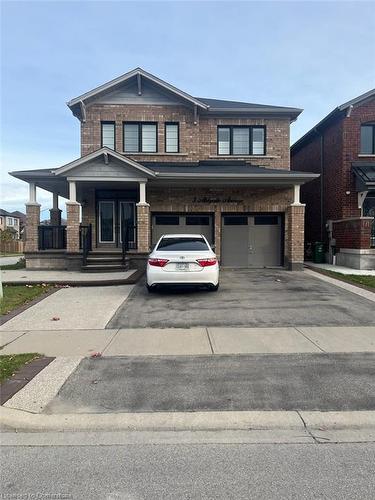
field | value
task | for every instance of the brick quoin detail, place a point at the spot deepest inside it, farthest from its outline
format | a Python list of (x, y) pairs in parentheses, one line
[(143, 227), (72, 227), (352, 233), (32, 224)]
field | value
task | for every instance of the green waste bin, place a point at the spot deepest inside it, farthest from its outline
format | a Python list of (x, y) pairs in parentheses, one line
[(318, 256)]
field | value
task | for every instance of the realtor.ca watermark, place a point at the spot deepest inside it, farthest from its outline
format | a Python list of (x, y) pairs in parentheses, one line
[(36, 496)]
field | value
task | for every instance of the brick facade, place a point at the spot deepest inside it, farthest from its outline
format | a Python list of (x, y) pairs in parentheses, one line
[(32, 223), (352, 233), (330, 151), (197, 142), (143, 227), (295, 236), (72, 227)]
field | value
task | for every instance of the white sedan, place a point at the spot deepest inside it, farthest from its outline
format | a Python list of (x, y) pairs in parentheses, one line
[(182, 259)]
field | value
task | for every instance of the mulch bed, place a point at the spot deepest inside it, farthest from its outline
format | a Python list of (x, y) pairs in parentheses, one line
[(9, 387)]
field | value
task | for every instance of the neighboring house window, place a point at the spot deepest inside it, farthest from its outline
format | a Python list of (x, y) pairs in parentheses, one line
[(241, 141), (108, 135), (15, 222), (368, 139), (172, 138), (140, 137), (9, 221), (1, 220)]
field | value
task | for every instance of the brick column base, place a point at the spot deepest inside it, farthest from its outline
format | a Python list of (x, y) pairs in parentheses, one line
[(72, 226), (31, 229), (296, 237), (55, 216), (143, 227)]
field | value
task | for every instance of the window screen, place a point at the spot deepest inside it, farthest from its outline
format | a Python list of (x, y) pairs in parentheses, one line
[(258, 141), (131, 137), (108, 135), (171, 137), (149, 140), (167, 220), (368, 139), (223, 136), (241, 141)]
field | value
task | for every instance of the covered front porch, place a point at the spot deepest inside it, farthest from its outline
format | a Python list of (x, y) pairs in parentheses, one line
[(106, 222)]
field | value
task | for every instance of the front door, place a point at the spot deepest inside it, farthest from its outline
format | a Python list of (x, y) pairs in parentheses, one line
[(113, 217)]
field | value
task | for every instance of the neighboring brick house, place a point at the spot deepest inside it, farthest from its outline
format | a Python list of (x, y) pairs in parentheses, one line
[(11, 221), (340, 204), (156, 160)]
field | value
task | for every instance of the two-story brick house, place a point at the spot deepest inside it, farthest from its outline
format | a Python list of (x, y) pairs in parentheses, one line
[(340, 204), (156, 160)]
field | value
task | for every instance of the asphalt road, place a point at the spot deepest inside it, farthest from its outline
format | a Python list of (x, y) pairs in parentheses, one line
[(187, 471), (228, 382), (247, 298)]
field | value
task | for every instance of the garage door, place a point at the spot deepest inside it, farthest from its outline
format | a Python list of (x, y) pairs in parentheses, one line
[(182, 224), (251, 240)]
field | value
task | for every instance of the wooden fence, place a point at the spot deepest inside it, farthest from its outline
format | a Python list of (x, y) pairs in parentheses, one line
[(12, 246)]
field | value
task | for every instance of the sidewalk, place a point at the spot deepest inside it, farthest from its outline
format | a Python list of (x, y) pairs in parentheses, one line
[(71, 309), (194, 341), (27, 276), (341, 269)]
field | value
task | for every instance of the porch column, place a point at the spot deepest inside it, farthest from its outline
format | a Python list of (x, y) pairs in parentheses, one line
[(143, 221), (55, 212), (72, 220), (295, 236), (32, 221)]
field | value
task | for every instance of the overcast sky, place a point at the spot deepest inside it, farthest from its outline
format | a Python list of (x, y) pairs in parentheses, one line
[(313, 55)]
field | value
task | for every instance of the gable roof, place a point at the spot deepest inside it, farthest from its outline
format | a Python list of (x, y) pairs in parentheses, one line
[(340, 111), (137, 72), (77, 104), (103, 152)]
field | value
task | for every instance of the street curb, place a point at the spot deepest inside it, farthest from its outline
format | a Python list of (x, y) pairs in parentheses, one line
[(184, 421)]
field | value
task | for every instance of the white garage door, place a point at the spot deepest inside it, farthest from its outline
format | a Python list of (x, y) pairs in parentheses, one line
[(251, 240), (182, 224)]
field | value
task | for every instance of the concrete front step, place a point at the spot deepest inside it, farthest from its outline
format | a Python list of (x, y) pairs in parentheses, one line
[(103, 268)]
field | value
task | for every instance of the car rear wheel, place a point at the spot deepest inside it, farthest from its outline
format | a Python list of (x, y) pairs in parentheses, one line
[(150, 289), (214, 288)]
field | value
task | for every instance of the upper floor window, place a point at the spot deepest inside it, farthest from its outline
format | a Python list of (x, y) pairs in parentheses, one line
[(172, 138), (9, 221), (140, 137), (241, 141), (1, 220), (368, 139), (108, 135)]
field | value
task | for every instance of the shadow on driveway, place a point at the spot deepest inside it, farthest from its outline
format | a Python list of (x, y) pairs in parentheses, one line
[(247, 298)]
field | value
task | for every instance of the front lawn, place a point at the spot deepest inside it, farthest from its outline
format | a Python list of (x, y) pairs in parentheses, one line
[(13, 362), (21, 264), (355, 279), (17, 295)]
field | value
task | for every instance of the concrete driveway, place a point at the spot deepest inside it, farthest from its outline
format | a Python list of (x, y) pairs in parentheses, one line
[(247, 298)]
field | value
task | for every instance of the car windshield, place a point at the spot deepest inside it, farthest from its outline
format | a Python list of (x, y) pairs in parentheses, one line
[(182, 244)]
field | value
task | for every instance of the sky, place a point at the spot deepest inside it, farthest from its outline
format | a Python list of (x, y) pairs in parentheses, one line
[(307, 54)]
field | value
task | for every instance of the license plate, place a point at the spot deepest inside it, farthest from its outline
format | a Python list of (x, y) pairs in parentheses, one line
[(182, 266)]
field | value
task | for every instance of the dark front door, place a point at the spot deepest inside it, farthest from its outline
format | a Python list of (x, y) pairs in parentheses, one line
[(114, 216)]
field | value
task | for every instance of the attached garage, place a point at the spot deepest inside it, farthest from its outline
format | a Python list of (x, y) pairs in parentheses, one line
[(174, 223), (252, 240)]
